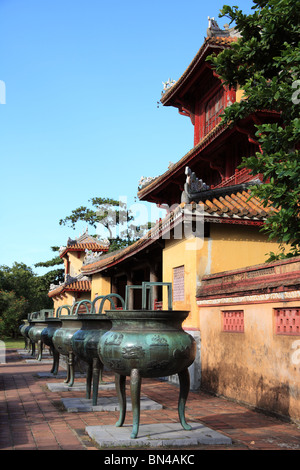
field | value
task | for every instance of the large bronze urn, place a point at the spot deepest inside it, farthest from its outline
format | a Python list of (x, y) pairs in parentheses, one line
[(147, 343), (47, 334), (85, 346), (62, 338), (24, 328), (38, 322), (85, 341)]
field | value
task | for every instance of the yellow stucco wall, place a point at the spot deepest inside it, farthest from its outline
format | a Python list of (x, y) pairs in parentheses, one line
[(240, 94), (181, 253), (237, 246), (228, 247), (101, 285), (76, 260), (257, 367), (69, 298), (66, 299)]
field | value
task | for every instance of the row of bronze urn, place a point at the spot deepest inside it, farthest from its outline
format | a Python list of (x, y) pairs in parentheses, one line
[(135, 343)]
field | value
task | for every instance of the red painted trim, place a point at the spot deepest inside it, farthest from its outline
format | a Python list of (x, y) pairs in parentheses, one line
[(249, 302)]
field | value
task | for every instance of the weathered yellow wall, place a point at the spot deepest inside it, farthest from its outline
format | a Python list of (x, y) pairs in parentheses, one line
[(101, 285), (240, 94), (75, 262), (228, 247), (256, 367), (69, 298), (66, 299), (237, 246), (181, 253)]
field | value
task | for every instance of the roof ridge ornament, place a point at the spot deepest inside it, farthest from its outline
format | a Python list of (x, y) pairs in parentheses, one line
[(167, 85), (91, 257), (144, 181), (192, 185), (214, 30)]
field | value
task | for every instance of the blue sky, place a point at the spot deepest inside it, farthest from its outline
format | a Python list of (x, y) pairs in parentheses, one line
[(81, 120)]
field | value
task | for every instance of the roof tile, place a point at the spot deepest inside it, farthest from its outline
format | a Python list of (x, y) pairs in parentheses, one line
[(77, 286)]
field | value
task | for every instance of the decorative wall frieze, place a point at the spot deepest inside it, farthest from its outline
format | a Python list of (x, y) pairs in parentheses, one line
[(245, 299)]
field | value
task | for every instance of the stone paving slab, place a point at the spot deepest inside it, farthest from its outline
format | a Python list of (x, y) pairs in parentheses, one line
[(156, 435), (79, 386), (36, 361), (27, 354), (60, 375), (74, 405)]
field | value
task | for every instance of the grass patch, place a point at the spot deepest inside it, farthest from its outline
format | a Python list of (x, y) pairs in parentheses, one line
[(11, 343)]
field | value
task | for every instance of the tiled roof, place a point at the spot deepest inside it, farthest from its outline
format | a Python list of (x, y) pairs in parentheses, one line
[(77, 286), (83, 247), (118, 256), (233, 207), (237, 205), (84, 242)]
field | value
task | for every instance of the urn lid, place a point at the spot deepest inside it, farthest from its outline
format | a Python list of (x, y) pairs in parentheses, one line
[(147, 314)]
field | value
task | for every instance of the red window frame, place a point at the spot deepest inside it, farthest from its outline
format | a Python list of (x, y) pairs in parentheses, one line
[(213, 109), (287, 321), (233, 321)]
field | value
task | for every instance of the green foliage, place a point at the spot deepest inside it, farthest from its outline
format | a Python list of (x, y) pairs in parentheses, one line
[(21, 280), (52, 262), (55, 276), (12, 310), (22, 292), (265, 62)]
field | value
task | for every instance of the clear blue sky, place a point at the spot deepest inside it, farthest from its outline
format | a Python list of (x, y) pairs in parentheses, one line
[(83, 79)]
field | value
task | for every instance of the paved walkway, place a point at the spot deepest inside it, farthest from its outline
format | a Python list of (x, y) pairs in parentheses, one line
[(32, 416)]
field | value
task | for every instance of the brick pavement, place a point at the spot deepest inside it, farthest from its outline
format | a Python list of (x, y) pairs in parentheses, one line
[(33, 418)]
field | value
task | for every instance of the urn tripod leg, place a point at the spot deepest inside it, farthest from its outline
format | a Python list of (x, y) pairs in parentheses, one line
[(71, 364), (68, 372), (120, 382), (135, 389), (89, 374), (39, 350), (55, 365), (97, 371), (184, 381), (53, 361), (100, 380)]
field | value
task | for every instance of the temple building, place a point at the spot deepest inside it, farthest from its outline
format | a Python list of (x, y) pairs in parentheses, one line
[(210, 247), (211, 225)]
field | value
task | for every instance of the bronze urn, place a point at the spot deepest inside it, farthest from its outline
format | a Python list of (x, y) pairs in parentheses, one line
[(147, 343)]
